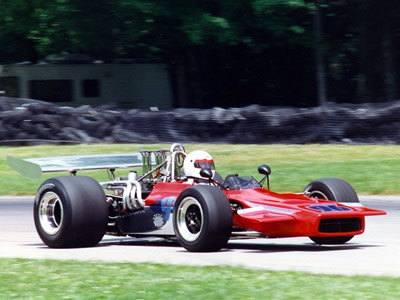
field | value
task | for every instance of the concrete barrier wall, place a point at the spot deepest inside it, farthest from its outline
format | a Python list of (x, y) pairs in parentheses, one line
[(25, 121)]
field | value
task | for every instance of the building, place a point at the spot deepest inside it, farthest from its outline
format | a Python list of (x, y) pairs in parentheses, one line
[(137, 85)]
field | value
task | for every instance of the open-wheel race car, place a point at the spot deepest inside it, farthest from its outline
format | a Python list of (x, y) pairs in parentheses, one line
[(180, 195)]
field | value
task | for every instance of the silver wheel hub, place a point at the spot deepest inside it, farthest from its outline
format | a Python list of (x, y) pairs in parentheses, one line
[(318, 194), (190, 219), (51, 213)]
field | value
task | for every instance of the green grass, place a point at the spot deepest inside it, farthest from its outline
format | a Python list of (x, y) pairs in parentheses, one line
[(371, 169), (46, 279)]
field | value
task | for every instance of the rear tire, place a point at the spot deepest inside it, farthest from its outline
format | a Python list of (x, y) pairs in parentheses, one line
[(70, 211), (202, 219), (333, 189)]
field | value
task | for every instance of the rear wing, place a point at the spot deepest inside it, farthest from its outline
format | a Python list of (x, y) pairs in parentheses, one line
[(34, 167)]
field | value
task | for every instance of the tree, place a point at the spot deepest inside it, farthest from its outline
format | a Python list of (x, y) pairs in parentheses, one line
[(319, 61), (222, 52)]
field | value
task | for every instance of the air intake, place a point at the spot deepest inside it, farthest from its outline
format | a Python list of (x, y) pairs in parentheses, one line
[(340, 225)]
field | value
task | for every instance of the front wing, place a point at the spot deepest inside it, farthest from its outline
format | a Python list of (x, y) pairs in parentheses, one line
[(300, 222)]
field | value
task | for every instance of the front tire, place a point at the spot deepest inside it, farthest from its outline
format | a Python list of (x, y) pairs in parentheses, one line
[(202, 219), (333, 189), (338, 240), (70, 211)]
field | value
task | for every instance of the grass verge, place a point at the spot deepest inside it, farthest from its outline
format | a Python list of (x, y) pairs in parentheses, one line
[(371, 169), (47, 279)]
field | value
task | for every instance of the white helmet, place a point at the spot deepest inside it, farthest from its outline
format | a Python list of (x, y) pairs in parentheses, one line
[(197, 160)]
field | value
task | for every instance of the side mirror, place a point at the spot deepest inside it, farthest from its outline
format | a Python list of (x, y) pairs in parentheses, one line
[(206, 172), (264, 170)]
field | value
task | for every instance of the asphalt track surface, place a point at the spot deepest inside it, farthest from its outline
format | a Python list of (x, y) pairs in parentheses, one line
[(376, 252)]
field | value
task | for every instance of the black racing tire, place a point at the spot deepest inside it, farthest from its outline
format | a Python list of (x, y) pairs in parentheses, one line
[(333, 189), (202, 219), (70, 211), (337, 240)]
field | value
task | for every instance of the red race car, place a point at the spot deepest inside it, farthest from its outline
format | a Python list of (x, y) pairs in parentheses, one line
[(180, 195)]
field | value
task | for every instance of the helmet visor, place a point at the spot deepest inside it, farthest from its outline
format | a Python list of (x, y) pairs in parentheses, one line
[(204, 163)]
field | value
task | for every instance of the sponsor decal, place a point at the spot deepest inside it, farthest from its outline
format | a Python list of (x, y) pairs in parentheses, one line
[(256, 208), (164, 206), (329, 207), (158, 220)]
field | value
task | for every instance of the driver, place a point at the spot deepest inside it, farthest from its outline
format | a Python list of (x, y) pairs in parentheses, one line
[(197, 160)]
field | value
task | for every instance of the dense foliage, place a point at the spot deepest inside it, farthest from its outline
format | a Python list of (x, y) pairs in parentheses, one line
[(221, 52)]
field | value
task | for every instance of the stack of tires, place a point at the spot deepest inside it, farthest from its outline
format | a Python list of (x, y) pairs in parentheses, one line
[(25, 121)]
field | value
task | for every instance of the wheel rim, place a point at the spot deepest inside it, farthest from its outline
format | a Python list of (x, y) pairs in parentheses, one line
[(317, 194), (51, 213), (190, 219)]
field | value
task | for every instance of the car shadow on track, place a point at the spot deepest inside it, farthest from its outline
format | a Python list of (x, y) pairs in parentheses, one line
[(234, 245), (309, 247), (250, 246)]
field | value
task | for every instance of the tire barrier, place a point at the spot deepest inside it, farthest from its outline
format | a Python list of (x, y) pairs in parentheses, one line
[(26, 122)]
